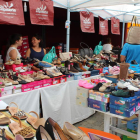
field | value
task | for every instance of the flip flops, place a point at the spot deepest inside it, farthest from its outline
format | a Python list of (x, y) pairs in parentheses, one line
[(16, 128), (4, 120), (14, 111), (35, 122)]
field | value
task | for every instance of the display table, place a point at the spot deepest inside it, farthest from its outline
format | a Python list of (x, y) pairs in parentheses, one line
[(58, 102)]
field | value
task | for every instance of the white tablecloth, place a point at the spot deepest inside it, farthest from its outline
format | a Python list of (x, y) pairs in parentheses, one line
[(27, 101), (59, 103)]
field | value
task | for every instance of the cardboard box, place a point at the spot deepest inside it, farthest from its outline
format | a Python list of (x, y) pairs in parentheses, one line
[(133, 124), (123, 102), (6, 91), (99, 96), (122, 111), (17, 89), (82, 92), (81, 101), (98, 105)]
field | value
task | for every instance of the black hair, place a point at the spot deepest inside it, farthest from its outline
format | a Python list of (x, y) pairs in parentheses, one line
[(108, 40), (38, 37), (13, 38)]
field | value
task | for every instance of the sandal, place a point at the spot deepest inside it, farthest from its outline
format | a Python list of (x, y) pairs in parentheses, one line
[(35, 122), (14, 111), (16, 128), (19, 137), (17, 61), (9, 62), (4, 120), (2, 134)]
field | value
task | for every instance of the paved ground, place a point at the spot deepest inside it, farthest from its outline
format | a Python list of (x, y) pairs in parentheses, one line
[(95, 121)]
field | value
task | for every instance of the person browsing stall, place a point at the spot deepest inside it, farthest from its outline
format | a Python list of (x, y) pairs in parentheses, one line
[(107, 46), (14, 42), (130, 52), (36, 51)]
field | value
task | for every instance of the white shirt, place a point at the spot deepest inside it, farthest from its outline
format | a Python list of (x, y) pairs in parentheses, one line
[(9, 50), (107, 47)]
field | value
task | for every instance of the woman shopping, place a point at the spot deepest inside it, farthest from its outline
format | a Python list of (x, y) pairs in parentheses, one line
[(15, 40), (36, 51)]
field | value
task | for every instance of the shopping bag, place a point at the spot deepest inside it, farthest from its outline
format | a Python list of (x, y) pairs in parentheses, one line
[(65, 56), (103, 26), (115, 26), (87, 22), (41, 12), (11, 12), (50, 56), (98, 48)]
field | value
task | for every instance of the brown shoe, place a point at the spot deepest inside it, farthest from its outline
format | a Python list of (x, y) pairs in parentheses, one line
[(58, 129), (124, 70), (72, 69), (81, 66), (74, 132), (35, 68), (4, 120)]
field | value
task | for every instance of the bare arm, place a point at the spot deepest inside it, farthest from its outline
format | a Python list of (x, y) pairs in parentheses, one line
[(28, 53), (13, 54), (44, 51), (122, 58)]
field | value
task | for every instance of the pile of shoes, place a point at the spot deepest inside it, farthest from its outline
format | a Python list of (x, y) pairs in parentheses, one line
[(45, 129)]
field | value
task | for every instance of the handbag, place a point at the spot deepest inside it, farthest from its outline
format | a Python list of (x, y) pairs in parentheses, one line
[(133, 36), (50, 55), (65, 56), (85, 51), (98, 48)]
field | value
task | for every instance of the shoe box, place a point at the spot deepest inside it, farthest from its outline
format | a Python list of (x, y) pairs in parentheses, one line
[(82, 92), (99, 96), (112, 78), (133, 124), (118, 110), (100, 70), (94, 72), (17, 89), (47, 82), (123, 102), (27, 87), (74, 50), (63, 79), (81, 101), (77, 76), (135, 67), (127, 137), (56, 80), (70, 77), (85, 74), (14, 67), (137, 105), (6, 91), (82, 96), (99, 105)]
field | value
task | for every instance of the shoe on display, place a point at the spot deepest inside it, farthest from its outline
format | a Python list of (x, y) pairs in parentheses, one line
[(42, 134), (4, 120), (81, 66), (57, 129), (35, 68), (104, 86), (121, 85), (98, 86), (85, 84), (130, 87), (109, 89), (74, 132), (91, 68), (76, 66), (134, 62), (123, 93), (72, 69), (19, 137), (43, 64)]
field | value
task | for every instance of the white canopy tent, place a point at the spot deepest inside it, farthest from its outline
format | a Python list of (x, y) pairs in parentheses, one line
[(121, 9)]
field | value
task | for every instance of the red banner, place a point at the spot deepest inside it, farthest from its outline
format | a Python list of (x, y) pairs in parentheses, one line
[(11, 12), (115, 26), (87, 22), (103, 26), (41, 12)]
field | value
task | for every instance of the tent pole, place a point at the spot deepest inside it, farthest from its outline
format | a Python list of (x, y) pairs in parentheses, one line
[(68, 29), (123, 29)]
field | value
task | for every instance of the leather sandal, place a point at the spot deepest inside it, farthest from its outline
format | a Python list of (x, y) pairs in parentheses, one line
[(35, 122), (4, 120), (2, 134), (17, 61), (14, 111), (17, 128)]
